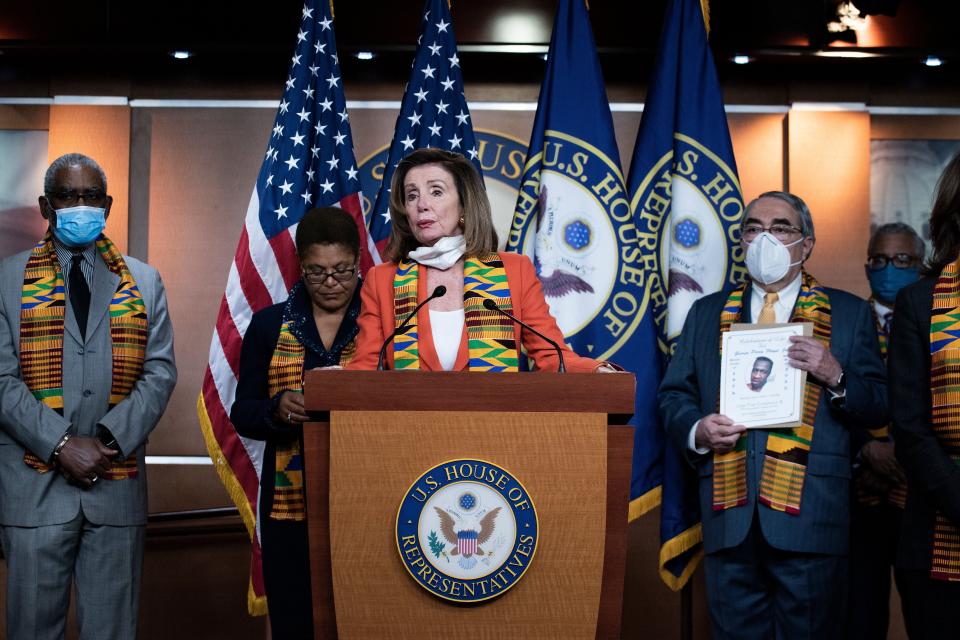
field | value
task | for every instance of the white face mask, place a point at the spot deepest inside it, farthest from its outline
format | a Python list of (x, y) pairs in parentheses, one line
[(768, 259), (443, 254)]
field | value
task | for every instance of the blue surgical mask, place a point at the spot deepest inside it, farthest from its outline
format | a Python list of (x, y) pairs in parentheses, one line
[(886, 282), (79, 226)]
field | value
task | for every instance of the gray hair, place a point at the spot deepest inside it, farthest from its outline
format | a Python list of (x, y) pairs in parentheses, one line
[(894, 228), (70, 160), (796, 203)]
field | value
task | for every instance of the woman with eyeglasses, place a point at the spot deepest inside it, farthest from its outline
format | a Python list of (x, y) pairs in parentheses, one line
[(924, 360), (315, 327)]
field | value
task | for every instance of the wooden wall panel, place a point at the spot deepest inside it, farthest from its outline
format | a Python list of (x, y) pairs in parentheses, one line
[(103, 133), (758, 147), (203, 164), (24, 116), (829, 167), (889, 127)]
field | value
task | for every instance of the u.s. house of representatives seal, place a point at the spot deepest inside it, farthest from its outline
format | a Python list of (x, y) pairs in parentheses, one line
[(573, 216), (467, 530), (688, 211)]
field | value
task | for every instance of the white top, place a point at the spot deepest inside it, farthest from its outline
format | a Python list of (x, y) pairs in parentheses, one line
[(447, 327)]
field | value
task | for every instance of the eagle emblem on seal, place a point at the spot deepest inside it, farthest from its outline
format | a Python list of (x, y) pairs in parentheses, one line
[(466, 539), (559, 282)]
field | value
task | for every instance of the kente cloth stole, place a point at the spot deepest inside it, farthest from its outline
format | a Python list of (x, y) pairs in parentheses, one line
[(286, 374), (42, 312), (490, 335), (945, 407), (785, 460)]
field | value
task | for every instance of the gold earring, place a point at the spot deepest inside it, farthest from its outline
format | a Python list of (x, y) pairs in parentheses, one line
[(461, 221)]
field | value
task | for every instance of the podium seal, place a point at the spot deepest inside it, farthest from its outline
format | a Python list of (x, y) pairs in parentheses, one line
[(467, 530)]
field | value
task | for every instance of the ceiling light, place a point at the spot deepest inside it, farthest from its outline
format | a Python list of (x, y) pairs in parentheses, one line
[(933, 61), (847, 18), (847, 53), (365, 55), (182, 55), (741, 59)]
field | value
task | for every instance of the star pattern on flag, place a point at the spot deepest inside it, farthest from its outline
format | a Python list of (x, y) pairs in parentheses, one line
[(434, 111), (309, 160)]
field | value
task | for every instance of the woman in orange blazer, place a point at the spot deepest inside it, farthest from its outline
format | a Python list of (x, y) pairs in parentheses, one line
[(443, 235)]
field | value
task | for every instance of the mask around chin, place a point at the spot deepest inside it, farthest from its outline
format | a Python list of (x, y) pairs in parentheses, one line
[(79, 226), (768, 259)]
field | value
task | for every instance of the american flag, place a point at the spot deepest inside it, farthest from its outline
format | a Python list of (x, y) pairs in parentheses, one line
[(434, 111), (309, 162)]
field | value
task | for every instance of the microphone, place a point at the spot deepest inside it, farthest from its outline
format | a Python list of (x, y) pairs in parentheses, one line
[(492, 306), (439, 292)]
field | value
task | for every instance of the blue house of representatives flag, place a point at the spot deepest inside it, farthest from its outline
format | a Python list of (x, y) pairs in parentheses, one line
[(687, 204), (573, 217), (434, 111)]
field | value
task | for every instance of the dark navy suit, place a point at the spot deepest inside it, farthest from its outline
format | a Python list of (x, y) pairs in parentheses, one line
[(931, 608), (769, 572)]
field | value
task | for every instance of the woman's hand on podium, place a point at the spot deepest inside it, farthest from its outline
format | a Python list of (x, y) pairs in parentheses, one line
[(290, 409), (608, 367)]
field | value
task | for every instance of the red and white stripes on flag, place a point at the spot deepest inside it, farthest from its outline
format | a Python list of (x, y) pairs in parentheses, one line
[(309, 162)]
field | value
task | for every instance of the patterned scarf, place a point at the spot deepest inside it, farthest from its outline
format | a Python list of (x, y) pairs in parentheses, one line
[(945, 409), (490, 336), (286, 374), (42, 309), (785, 460)]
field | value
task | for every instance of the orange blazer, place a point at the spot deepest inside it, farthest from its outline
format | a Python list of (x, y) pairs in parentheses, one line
[(376, 321)]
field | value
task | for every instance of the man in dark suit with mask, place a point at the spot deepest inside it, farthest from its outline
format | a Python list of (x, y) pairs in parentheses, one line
[(775, 502), (894, 256)]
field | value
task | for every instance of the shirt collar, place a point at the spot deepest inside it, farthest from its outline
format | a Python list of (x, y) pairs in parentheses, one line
[(65, 254), (881, 309)]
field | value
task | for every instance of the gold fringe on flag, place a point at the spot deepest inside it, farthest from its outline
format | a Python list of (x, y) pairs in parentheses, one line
[(256, 604)]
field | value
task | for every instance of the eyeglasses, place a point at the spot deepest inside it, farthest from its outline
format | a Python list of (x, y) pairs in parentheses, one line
[(900, 261), (779, 231), (71, 197), (317, 276)]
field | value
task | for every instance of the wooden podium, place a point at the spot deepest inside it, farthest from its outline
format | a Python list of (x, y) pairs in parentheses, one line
[(564, 436)]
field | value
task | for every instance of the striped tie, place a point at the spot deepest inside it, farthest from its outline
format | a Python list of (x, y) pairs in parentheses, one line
[(767, 314)]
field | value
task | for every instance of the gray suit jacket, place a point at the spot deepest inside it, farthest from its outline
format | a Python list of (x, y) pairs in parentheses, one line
[(29, 498), (690, 390)]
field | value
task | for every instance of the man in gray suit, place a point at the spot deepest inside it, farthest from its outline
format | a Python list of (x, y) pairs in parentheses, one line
[(774, 503), (86, 370)]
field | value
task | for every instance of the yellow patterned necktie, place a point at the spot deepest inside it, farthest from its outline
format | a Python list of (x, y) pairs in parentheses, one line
[(767, 314)]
